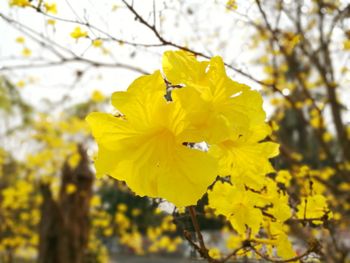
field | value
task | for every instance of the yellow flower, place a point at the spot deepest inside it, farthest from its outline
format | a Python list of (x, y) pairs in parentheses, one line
[(284, 247), (74, 160), (26, 52), (115, 7), (51, 22), (314, 207), (51, 8), (20, 3), (78, 33), (145, 148), (97, 96), (238, 205), (152, 143), (95, 201), (346, 44), (231, 5), (234, 242), (284, 177), (20, 84), (122, 207), (108, 232), (245, 159), (97, 42), (136, 212), (214, 253), (71, 188), (216, 105), (20, 40)]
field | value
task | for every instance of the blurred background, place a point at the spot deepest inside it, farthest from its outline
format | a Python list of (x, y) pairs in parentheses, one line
[(60, 60)]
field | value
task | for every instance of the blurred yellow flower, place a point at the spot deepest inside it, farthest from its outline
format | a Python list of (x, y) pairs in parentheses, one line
[(97, 42), (20, 83), (51, 22), (231, 5), (20, 40), (19, 3), (51, 8), (71, 188), (78, 33), (97, 96), (214, 253), (26, 52)]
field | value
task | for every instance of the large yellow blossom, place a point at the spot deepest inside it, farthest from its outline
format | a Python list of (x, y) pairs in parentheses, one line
[(145, 146)]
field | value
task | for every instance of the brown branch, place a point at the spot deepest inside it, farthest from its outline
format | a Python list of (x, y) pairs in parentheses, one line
[(232, 254), (166, 42), (72, 60), (291, 61), (192, 211), (341, 14), (108, 37), (325, 70), (296, 258), (62, 59)]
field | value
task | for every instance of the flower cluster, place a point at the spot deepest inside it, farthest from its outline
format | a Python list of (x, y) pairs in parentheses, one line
[(180, 128)]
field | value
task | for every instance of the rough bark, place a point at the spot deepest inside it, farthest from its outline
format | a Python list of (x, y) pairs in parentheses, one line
[(64, 227)]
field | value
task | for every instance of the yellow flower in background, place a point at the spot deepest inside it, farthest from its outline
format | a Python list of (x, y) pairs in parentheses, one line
[(78, 33), (346, 44), (20, 40), (21, 84), (26, 52), (51, 22), (231, 5), (284, 177), (97, 42), (122, 207), (314, 207), (97, 96), (51, 8), (74, 160), (284, 247), (234, 241), (214, 253), (71, 188), (115, 7), (136, 212), (19, 3), (145, 148)]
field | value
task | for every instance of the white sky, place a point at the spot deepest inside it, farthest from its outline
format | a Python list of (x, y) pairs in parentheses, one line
[(208, 24)]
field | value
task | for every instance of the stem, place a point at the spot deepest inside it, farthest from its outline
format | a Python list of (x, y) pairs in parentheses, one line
[(195, 223)]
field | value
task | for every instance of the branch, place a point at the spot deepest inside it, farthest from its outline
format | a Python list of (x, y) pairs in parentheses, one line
[(72, 60), (195, 223), (40, 39), (307, 252), (166, 42)]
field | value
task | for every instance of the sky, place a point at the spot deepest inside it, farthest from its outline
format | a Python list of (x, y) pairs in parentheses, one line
[(200, 31)]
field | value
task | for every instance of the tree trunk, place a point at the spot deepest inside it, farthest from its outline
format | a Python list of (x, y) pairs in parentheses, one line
[(64, 227)]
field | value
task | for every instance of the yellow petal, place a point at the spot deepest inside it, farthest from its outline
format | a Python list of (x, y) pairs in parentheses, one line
[(181, 67)]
